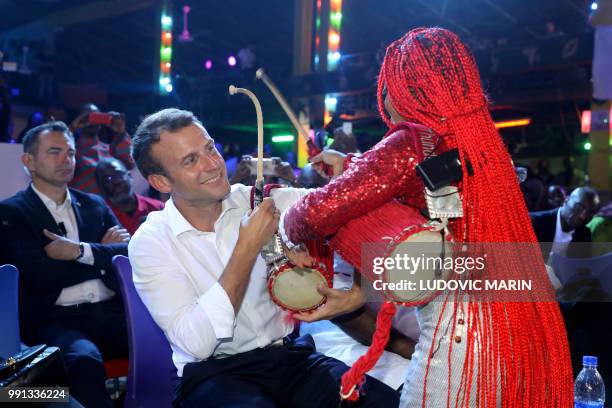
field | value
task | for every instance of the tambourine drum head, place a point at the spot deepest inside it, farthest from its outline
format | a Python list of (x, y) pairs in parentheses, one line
[(296, 288), (423, 245)]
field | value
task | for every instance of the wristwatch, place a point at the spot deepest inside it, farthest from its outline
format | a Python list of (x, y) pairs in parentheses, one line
[(81, 251)]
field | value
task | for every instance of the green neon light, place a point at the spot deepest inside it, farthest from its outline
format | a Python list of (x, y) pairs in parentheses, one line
[(282, 138)]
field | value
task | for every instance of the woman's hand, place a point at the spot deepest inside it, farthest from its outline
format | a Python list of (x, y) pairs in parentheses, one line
[(330, 157), (339, 302)]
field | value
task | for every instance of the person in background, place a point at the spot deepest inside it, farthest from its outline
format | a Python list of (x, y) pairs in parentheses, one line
[(62, 241), (601, 230), (115, 183), (95, 142), (555, 196)]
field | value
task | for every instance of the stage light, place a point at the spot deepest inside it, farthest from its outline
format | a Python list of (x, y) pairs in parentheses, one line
[(231, 61), (166, 22), (282, 138), (166, 53), (334, 56), (512, 123), (594, 6), (208, 64), (331, 102), (334, 39), (585, 121)]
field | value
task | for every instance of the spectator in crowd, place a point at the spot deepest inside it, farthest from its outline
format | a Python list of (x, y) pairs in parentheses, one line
[(544, 173), (601, 229), (62, 241), (556, 196), (534, 191), (95, 141), (115, 183), (567, 223), (284, 174)]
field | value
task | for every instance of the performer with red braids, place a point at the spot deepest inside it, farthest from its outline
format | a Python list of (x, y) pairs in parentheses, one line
[(480, 353)]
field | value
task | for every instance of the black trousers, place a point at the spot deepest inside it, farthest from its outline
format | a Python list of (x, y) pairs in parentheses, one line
[(87, 334), (289, 375)]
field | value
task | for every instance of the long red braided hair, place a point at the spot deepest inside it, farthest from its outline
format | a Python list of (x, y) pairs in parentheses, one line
[(432, 79)]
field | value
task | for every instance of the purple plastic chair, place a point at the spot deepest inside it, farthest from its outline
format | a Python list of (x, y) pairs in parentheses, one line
[(9, 323), (151, 370)]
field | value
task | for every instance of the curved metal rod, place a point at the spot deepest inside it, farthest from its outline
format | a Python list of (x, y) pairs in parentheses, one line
[(260, 143)]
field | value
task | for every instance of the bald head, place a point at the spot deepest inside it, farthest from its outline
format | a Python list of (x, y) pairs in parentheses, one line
[(580, 207)]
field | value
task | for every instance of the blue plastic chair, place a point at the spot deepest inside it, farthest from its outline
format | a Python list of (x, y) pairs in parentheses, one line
[(151, 371), (9, 323)]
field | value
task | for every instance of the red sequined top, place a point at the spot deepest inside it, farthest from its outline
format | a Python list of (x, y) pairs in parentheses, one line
[(384, 172)]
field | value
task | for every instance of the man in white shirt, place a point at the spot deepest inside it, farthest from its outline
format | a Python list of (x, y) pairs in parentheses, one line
[(62, 241), (197, 268)]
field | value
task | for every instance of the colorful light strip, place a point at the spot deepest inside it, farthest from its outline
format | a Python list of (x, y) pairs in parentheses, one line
[(165, 55), (333, 36), (512, 123)]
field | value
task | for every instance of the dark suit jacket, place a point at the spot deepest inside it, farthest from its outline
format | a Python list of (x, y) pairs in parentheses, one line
[(545, 225), (41, 279)]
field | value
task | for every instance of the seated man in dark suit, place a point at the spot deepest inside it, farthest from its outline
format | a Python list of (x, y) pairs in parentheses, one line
[(62, 240), (563, 227), (567, 224)]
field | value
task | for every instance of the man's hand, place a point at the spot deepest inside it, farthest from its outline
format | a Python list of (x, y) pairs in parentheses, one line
[(285, 171), (61, 248), (257, 228), (339, 302), (115, 235), (80, 122), (118, 123), (331, 157), (242, 172)]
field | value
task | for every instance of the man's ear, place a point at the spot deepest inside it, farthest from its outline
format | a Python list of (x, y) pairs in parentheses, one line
[(160, 182), (28, 162)]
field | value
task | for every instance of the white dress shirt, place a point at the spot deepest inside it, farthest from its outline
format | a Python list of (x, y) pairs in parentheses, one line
[(562, 239), (176, 270), (559, 246), (90, 291)]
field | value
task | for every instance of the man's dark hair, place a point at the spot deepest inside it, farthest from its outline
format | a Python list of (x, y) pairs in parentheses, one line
[(149, 132), (32, 136)]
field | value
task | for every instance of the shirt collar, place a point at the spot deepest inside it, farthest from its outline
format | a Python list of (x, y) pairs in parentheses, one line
[(49, 203), (180, 225)]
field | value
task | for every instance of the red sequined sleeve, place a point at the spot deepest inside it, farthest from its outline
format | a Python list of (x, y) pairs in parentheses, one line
[(385, 171)]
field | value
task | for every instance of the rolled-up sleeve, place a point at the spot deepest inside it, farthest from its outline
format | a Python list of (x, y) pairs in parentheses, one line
[(194, 322)]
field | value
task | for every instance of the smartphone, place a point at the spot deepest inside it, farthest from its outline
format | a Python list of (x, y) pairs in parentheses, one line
[(100, 118), (440, 171), (347, 128), (269, 165)]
